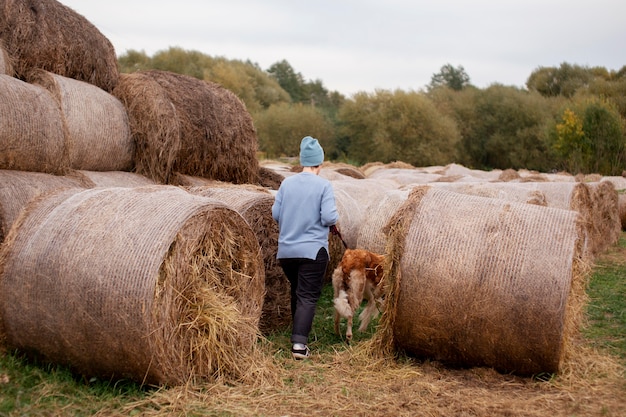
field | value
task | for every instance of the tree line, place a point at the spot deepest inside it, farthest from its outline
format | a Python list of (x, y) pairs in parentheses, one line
[(568, 118)]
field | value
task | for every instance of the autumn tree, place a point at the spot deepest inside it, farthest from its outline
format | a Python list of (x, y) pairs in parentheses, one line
[(281, 127), (387, 126)]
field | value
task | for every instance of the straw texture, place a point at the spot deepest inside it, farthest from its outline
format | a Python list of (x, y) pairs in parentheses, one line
[(105, 282), (481, 281), (98, 132)]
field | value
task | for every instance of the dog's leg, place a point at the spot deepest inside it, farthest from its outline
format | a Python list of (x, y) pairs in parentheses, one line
[(370, 311), (349, 329)]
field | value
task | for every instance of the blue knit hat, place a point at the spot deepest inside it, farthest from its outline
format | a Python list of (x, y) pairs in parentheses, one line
[(311, 152)]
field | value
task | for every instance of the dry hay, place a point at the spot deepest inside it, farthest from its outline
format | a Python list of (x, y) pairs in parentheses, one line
[(32, 133), (48, 35), (348, 383), (18, 188), (183, 180), (509, 175), (607, 224), (98, 134), (255, 206), (371, 233), (111, 178), (163, 296), (457, 170), (345, 169), (506, 191), (6, 63), (269, 178), (404, 176), (186, 125), (478, 281), (370, 167), (622, 209), (562, 195)]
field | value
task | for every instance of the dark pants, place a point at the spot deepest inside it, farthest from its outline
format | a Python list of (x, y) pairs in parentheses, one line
[(307, 278)]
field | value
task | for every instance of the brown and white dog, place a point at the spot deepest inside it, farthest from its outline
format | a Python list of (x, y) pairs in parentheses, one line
[(358, 276)]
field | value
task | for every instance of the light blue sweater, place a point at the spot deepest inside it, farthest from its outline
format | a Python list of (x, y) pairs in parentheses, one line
[(304, 208)]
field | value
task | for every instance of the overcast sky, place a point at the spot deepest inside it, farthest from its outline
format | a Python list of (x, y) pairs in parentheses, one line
[(364, 45)]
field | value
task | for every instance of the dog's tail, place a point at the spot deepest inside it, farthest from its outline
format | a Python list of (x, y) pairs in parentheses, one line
[(342, 305)]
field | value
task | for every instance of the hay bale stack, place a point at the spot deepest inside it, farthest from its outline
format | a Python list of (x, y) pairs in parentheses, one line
[(182, 124), (607, 223), (48, 35), (255, 206), (32, 133), (345, 169), (478, 281), (18, 188), (112, 178), (165, 296), (98, 134)]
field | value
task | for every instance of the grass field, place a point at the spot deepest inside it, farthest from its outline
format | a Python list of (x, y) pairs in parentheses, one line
[(342, 380)]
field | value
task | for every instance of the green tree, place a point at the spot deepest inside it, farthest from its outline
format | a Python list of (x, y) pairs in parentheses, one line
[(565, 80), (134, 60), (290, 80), (281, 126), (388, 126), (501, 127), (589, 138), (451, 77)]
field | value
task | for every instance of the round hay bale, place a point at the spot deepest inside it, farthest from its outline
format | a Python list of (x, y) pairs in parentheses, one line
[(112, 178), (165, 296), (562, 195), (404, 176), (48, 35), (371, 233), (607, 223), (18, 188), (98, 134), (345, 169), (269, 178), (509, 175), (255, 206), (182, 124), (32, 133), (503, 190), (478, 281)]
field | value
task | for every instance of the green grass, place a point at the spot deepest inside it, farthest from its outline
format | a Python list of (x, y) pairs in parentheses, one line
[(28, 387), (606, 310)]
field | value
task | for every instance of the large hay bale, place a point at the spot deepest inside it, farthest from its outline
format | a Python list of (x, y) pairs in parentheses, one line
[(48, 35), (404, 176), (32, 133), (18, 188), (574, 196), (111, 178), (255, 206), (98, 133), (148, 283), (371, 233), (477, 281), (182, 124), (607, 223)]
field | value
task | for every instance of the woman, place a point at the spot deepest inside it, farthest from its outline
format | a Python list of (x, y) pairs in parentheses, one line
[(304, 208)]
